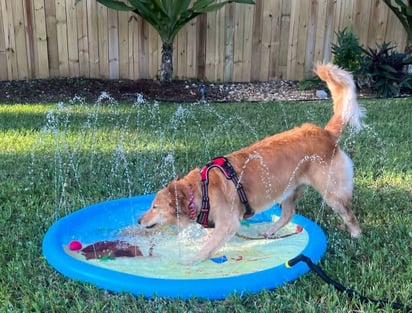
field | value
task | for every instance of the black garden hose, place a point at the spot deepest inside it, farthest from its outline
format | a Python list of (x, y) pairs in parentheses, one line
[(350, 292)]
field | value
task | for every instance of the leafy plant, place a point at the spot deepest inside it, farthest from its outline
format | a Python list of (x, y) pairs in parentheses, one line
[(384, 70), (347, 54), (168, 17), (347, 51)]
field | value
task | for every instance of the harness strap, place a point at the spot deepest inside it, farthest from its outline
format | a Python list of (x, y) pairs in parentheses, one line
[(227, 169)]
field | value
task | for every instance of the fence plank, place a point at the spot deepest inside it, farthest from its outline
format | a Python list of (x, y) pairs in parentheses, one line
[(321, 29), (123, 45), (248, 42), (322, 22), (143, 48), (230, 29), (257, 41), (201, 47), (362, 16), (154, 52), (265, 40), (280, 32), (30, 53), (4, 75), (305, 39), (222, 33), (113, 41), (41, 63), (298, 38), (242, 53), (212, 45), (311, 38), (238, 34), (72, 38), (344, 14), (275, 39), (377, 23), (83, 38), (103, 41), (395, 33), (293, 41), (133, 54), (51, 38), (18, 43), (180, 55), (192, 49), (281, 70), (62, 38), (329, 34), (3, 59), (93, 37)]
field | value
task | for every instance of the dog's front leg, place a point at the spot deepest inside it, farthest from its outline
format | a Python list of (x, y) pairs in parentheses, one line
[(220, 235)]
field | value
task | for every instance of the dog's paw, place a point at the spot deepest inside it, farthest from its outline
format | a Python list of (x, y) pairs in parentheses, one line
[(356, 234), (354, 230)]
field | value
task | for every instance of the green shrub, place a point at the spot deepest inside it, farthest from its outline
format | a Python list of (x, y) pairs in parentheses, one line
[(347, 51), (384, 70), (347, 54)]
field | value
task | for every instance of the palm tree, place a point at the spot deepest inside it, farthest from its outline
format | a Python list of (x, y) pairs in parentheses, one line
[(168, 17)]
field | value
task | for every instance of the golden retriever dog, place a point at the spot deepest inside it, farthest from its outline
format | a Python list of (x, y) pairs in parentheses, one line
[(270, 171)]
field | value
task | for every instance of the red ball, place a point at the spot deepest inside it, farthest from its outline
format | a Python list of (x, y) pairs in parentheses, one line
[(75, 245)]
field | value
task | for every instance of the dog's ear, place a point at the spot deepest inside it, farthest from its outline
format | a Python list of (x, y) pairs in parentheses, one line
[(180, 195), (176, 189)]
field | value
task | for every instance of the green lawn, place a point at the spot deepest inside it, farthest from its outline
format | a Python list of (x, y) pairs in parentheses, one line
[(55, 159)]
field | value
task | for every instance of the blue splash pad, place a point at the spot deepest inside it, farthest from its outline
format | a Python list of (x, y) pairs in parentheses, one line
[(103, 221)]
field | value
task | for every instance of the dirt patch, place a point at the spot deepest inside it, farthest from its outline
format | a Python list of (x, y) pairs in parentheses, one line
[(55, 90)]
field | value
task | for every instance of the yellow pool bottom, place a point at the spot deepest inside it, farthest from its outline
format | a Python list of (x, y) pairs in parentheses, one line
[(165, 251)]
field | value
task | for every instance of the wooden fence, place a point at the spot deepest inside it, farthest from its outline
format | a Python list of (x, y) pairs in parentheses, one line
[(274, 39)]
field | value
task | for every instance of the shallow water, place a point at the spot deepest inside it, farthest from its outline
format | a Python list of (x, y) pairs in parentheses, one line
[(167, 250)]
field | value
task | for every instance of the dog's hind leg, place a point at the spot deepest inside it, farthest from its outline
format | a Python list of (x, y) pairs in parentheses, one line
[(341, 204), (336, 190)]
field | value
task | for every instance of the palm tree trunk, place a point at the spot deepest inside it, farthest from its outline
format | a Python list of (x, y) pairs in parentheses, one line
[(166, 67)]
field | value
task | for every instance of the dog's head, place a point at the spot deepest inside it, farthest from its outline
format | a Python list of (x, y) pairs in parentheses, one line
[(169, 207)]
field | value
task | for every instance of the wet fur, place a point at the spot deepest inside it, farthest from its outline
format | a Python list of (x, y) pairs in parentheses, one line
[(273, 170)]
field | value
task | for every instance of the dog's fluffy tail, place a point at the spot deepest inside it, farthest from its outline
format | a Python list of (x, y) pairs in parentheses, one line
[(345, 106)]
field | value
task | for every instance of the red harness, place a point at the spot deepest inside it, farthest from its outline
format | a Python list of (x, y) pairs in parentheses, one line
[(226, 168)]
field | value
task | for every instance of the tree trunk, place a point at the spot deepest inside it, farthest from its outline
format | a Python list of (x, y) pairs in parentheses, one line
[(166, 68)]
